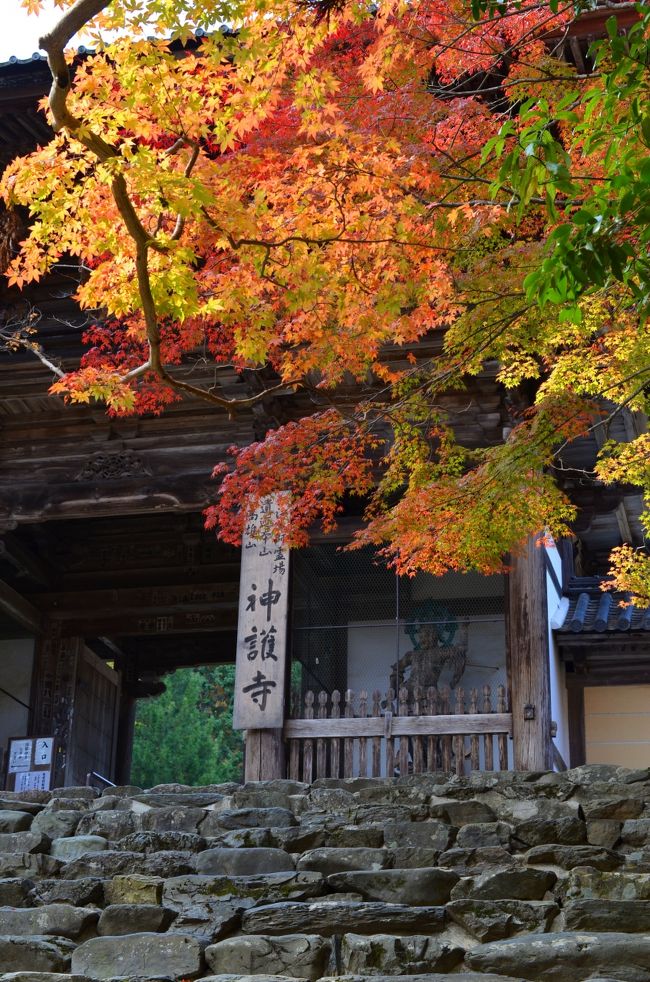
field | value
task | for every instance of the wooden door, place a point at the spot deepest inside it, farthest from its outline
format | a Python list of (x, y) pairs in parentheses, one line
[(93, 732)]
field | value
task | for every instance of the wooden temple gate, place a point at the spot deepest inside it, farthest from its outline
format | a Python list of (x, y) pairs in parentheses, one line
[(436, 730)]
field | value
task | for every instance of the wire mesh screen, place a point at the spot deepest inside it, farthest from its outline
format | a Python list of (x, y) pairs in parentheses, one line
[(356, 625)]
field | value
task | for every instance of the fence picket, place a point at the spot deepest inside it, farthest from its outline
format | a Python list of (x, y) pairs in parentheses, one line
[(308, 745), (403, 710), (418, 756), (376, 741), (502, 739), (432, 741), (335, 749), (474, 752), (459, 741), (348, 743), (321, 743), (390, 743), (445, 740), (488, 743), (363, 742)]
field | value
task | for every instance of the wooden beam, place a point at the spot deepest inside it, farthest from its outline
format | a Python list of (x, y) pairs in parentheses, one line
[(399, 726), (528, 657), (18, 609)]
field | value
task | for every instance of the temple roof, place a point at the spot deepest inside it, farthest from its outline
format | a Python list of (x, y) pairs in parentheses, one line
[(592, 609)]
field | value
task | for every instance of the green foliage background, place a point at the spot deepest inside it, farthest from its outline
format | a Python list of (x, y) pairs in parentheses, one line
[(185, 735)]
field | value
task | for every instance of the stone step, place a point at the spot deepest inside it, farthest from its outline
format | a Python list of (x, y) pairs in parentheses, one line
[(422, 878)]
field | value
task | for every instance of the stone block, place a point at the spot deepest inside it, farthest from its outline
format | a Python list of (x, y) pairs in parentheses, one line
[(170, 819), (74, 846), (568, 857), (247, 839), (80, 893), (492, 920), (14, 892), (201, 888), (134, 919), (111, 824), (135, 955), (24, 842), (302, 956), (429, 835), (243, 862), (569, 831), (331, 916), (134, 888), (385, 954), (355, 836), (332, 860), (468, 861), (113, 862), (12, 801), (590, 884), (148, 842), (511, 884), (635, 832), (57, 824), (416, 887), (460, 813), (604, 832), (28, 864), (35, 954), (60, 920), (617, 808), (414, 857), (14, 821), (627, 916), (246, 818), (567, 957), (479, 835)]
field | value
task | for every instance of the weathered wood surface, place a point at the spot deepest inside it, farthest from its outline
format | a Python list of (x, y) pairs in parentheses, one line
[(422, 736), (260, 666), (264, 755), (528, 657), (415, 726)]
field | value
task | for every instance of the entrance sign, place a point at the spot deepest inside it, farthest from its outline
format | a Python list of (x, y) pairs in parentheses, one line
[(262, 626)]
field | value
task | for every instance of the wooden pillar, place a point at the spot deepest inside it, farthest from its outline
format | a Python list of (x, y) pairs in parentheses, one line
[(528, 660), (264, 755), (53, 696), (125, 733)]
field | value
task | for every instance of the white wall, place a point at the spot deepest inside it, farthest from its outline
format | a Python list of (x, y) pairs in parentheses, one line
[(559, 704), (16, 662)]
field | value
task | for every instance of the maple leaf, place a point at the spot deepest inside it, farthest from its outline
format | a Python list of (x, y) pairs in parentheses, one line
[(332, 198)]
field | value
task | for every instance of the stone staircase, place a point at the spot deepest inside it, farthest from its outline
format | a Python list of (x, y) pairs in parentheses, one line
[(493, 878)]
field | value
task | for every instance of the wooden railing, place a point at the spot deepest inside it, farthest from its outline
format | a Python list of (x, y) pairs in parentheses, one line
[(418, 733)]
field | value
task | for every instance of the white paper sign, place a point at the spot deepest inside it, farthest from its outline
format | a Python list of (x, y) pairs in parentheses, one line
[(33, 781), (43, 751), (20, 756), (262, 625)]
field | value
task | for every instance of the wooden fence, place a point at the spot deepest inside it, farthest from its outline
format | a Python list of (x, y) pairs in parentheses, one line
[(432, 731)]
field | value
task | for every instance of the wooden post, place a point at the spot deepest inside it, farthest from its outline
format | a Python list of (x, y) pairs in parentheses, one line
[(264, 755), (528, 660)]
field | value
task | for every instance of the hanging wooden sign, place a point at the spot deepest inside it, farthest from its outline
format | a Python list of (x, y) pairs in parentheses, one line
[(262, 627)]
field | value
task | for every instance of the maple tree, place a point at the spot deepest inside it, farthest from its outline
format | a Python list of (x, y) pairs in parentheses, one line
[(325, 181)]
